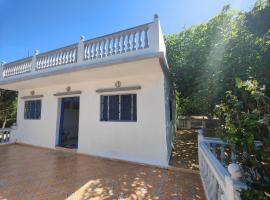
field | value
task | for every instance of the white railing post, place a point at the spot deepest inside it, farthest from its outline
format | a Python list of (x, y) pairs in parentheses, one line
[(200, 139), (236, 175), (13, 133), (229, 191), (80, 55), (156, 41), (200, 135), (34, 60), (2, 69)]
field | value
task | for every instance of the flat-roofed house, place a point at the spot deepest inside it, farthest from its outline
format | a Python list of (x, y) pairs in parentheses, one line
[(109, 96)]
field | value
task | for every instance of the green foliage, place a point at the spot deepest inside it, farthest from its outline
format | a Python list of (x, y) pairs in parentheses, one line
[(205, 59), (245, 117), (8, 107)]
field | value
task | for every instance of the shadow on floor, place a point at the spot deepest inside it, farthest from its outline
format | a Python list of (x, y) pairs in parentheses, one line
[(35, 173), (185, 152)]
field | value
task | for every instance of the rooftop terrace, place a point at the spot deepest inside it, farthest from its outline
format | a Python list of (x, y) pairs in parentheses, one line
[(138, 42)]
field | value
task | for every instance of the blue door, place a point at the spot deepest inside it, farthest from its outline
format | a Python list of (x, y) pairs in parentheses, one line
[(69, 122)]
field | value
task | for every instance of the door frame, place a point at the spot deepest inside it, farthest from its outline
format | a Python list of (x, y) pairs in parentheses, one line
[(63, 100)]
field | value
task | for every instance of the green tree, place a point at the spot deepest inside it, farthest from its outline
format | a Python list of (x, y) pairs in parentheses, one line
[(8, 107), (245, 117), (205, 59)]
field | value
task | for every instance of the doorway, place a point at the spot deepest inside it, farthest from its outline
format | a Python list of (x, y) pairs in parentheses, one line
[(69, 122)]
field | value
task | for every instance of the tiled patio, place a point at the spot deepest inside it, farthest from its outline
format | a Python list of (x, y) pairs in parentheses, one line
[(185, 152), (35, 173)]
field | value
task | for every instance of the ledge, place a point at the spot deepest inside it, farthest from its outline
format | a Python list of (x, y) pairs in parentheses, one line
[(118, 89), (67, 93), (32, 97), (73, 67)]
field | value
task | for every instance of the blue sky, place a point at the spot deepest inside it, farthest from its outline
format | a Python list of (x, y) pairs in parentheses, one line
[(26, 25)]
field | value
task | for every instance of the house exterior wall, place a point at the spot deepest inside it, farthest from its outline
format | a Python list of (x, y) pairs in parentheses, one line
[(146, 141), (169, 121)]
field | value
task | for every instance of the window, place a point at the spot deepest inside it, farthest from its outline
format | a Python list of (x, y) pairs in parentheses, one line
[(32, 109), (171, 113), (119, 108)]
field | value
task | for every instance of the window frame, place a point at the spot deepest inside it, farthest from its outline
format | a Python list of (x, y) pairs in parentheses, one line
[(119, 107), (28, 115)]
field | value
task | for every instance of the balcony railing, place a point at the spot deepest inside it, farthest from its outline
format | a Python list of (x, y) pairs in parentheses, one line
[(4, 135), (135, 41), (221, 176)]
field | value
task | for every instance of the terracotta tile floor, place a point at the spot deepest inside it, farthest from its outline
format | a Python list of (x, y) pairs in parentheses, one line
[(185, 152), (34, 173)]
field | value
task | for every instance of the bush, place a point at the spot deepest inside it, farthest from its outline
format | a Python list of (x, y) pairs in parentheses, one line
[(245, 117)]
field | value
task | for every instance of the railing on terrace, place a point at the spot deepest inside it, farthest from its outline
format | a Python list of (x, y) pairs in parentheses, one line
[(221, 176), (4, 135), (143, 37)]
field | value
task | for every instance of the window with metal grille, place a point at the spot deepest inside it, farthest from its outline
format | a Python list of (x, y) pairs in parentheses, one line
[(118, 107), (32, 109)]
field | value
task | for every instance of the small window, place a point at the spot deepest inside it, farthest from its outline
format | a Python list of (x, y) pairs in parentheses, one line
[(171, 113), (32, 109), (119, 108)]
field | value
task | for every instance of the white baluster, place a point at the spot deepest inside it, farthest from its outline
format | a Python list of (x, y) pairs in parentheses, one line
[(74, 55), (109, 46), (86, 52), (69, 58), (128, 42), (104, 48), (60, 57), (91, 51), (66, 57), (140, 39), (50, 61), (96, 50), (86, 49), (99, 48), (41, 62), (113, 46), (134, 41), (146, 41), (53, 60), (123, 43), (47, 61), (118, 44), (56, 58)]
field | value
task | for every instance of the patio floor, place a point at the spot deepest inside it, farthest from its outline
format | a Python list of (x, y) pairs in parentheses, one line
[(185, 152), (35, 173)]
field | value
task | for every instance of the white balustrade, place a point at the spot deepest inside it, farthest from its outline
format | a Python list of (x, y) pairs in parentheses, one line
[(19, 67), (221, 181), (143, 37), (63, 56), (4, 135), (117, 43)]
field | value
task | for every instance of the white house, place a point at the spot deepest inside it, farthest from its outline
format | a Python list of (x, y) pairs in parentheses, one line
[(108, 96)]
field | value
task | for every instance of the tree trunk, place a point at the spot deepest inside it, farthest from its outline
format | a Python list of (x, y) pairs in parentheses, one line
[(4, 123)]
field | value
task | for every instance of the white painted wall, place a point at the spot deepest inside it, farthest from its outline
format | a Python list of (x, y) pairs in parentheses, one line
[(169, 122), (144, 141)]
